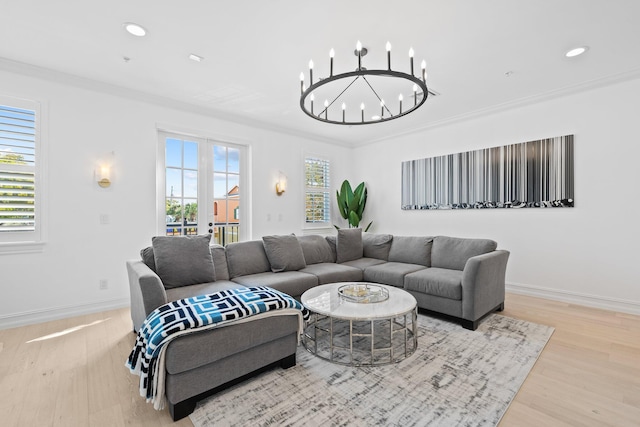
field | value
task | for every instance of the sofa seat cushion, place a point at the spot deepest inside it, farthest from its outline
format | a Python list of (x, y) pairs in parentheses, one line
[(363, 263), (192, 351), (293, 283), (441, 282), (453, 252), (390, 273), (332, 273), (182, 292)]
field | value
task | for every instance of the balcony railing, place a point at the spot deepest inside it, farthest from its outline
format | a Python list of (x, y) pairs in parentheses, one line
[(222, 233)]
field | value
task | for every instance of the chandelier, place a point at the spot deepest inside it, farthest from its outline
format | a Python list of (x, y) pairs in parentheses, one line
[(382, 95)]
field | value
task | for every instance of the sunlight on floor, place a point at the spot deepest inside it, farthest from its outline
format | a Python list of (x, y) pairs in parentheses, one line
[(67, 331)]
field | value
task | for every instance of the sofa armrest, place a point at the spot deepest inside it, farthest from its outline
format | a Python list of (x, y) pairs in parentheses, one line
[(483, 283), (146, 290)]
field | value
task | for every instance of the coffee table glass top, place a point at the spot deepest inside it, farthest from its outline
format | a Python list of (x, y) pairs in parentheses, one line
[(325, 300)]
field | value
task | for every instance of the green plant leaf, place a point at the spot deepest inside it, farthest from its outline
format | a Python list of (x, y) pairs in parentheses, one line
[(368, 226), (354, 221)]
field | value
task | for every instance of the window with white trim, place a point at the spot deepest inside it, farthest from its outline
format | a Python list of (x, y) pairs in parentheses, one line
[(20, 219), (317, 211)]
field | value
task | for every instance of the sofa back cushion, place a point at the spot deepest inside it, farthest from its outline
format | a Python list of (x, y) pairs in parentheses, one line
[(349, 245), (453, 252), (376, 245), (316, 249), (284, 253), (411, 250), (183, 260), (247, 257), (331, 240)]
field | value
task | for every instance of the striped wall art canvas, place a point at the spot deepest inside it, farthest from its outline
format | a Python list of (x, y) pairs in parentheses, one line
[(535, 174)]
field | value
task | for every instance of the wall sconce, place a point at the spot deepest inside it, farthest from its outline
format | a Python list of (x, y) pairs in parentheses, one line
[(103, 172), (103, 176), (281, 185)]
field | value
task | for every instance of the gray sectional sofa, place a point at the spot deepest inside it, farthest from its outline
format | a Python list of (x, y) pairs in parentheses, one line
[(461, 279)]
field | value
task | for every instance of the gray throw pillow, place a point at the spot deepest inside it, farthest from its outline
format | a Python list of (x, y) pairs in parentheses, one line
[(376, 245), (284, 253), (349, 244), (183, 260), (316, 249), (147, 257)]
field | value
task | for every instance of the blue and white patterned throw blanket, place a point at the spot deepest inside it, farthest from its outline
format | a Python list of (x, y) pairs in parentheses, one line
[(195, 314)]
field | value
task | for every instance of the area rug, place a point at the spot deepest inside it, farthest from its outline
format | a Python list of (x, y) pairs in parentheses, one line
[(456, 377)]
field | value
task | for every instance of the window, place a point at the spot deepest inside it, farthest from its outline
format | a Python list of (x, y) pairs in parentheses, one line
[(317, 191), (201, 187), (20, 218)]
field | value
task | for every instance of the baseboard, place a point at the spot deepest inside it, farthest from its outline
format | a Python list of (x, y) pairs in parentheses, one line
[(606, 303), (55, 313)]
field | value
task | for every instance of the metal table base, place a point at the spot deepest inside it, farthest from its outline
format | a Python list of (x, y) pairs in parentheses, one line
[(363, 342)]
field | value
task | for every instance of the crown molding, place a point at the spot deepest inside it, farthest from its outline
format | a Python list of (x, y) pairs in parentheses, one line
[(22, 68), (518, 103), (48, 74)]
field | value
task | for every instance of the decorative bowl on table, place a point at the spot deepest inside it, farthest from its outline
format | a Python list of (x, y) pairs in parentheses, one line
[(363, 293)]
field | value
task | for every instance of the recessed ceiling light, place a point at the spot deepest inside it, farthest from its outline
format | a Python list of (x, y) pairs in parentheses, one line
[(134, 29), (195, 57), (576, 51)]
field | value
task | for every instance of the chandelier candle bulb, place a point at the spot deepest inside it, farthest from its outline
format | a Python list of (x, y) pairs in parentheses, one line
[(362, 111), (411, 59), (312, 98), (326, 108), (311, 72), (381, 108), (400, 99), (359, 49), (332, 53), (388, 56), (344, 107)]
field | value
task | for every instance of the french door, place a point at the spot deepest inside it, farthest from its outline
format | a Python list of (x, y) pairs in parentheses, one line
[(201, 188)]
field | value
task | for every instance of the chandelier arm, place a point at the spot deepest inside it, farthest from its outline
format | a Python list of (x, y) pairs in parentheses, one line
[(378, 96), (340, 94), (387, 73)]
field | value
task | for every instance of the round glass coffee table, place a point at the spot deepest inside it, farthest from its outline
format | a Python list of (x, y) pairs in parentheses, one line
[(360, 323)]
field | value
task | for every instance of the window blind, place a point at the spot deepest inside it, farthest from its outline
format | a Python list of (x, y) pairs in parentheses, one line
[(17, 169), (317, 190)]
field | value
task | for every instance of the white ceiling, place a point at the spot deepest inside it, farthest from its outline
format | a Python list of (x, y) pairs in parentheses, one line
[(255, 50)]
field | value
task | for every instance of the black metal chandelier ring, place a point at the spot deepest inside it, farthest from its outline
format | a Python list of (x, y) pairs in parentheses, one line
[(420, 91), (419, 97)]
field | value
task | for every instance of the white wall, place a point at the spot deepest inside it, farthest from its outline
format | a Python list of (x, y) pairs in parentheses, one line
[(588, 254), (85, 124)]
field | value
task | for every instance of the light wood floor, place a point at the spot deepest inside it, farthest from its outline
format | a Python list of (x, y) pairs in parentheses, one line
[(588, 374)]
